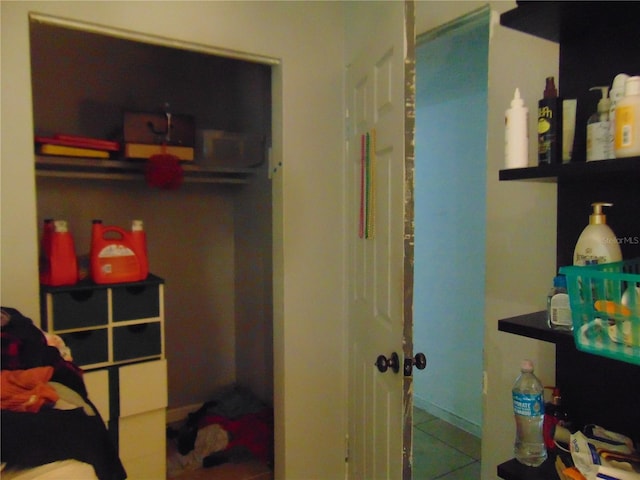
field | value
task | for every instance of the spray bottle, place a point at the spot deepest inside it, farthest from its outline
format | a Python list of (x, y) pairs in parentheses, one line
[(550, 125), (599, 138)]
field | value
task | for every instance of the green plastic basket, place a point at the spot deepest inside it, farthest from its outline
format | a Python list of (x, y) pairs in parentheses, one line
[(605, 308)]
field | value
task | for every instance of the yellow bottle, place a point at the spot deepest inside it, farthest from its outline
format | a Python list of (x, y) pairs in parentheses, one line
[(627, 120)]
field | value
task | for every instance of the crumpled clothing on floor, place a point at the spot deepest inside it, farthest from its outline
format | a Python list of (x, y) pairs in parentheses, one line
[(210, 439)]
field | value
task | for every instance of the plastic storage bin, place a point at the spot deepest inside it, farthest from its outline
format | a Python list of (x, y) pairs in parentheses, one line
[(605, 308)]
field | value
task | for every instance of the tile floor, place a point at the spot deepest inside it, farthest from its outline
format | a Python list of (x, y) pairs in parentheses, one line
[(441, 451)]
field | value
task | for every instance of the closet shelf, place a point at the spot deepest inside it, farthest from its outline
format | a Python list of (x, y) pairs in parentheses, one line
[(91, 168)]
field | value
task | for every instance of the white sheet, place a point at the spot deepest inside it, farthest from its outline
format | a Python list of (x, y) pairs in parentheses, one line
[(61, 470)]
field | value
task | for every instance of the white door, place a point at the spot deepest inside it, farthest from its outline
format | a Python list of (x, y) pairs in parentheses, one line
[(380, 108)]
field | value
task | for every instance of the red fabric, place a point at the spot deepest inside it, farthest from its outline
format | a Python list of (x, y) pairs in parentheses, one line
[(164, 171), (254, 431)]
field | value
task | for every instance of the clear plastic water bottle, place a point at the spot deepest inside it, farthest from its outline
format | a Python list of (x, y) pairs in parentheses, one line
[(528, 409)]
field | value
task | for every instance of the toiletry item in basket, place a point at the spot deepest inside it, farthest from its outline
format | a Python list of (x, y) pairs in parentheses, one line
[(599, 139), (558, 308), (115, 255), (597, 242)]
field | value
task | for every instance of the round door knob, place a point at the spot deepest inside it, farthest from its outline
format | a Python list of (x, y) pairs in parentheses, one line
[(419, 360), (393, 362)]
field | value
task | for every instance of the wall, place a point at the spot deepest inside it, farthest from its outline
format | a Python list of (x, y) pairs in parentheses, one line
[(308, 302), (82, 84), (451, 112), (521, 219), (521, 236), (520, 243)]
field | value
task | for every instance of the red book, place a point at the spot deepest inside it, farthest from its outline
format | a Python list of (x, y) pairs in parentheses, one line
[(81, 142)]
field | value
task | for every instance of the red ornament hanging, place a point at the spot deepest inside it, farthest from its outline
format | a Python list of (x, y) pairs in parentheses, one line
[(163, 170)]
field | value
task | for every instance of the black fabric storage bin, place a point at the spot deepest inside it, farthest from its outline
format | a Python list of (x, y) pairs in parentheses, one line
[(137, 341), (133, 302), (88, 346), (79, 308)]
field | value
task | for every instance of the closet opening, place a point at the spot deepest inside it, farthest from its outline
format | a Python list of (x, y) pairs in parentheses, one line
[(210, 239)]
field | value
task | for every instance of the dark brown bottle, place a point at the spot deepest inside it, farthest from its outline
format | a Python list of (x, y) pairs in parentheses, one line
[(550, 125)]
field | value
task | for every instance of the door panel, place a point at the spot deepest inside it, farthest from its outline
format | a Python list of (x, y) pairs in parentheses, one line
[(376, 106)]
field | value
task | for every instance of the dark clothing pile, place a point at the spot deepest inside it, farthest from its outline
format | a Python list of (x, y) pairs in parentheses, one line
[(247, 420), (31, 439)]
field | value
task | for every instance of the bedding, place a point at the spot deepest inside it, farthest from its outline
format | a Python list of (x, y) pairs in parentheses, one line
[(47, 416), (60, 470)]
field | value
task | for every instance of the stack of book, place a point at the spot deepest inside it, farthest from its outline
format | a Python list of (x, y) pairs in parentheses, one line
[(146, 150), (75, 146)]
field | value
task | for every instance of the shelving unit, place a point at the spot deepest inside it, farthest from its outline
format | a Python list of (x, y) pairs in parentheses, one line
[(551, 173), (597, 41), (116, 335)]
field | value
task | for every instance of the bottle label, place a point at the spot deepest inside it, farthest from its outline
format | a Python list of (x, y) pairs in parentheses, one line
[(624, 127), (528, 405), (599, 141)]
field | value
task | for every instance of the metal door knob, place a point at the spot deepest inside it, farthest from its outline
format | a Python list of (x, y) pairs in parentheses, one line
[(383, 363), (419, 360)]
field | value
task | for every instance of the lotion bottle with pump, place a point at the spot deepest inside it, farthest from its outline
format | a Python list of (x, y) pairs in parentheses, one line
[(599, 139), (516, 133), (597, 242)]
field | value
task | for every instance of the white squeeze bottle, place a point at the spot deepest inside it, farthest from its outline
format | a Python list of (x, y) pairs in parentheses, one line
[(528, 410), (516, 133)]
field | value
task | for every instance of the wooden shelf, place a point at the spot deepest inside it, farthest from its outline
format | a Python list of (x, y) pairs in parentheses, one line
[(514, 470), (551, 173), (572, 20), (534, 325), (91, 168)]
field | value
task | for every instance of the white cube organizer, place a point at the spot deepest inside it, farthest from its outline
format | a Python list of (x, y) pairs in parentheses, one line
[(116, 334)]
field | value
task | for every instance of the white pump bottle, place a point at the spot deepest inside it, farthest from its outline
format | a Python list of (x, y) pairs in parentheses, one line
[(597, 242), (599, 138)]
